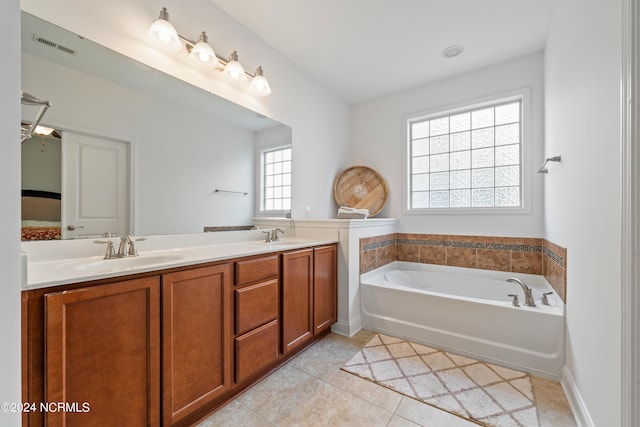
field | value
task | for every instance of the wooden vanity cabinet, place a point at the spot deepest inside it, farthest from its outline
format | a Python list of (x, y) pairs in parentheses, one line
[(309, 294), (297, 293), (257, 315), (168, 347), (102, 348), (325, 289), (196, 339)]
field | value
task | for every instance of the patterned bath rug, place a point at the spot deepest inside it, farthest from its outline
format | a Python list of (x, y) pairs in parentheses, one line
[(488, 394)]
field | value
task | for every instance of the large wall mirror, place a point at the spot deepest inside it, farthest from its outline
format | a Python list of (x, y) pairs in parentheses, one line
[(150, 148)]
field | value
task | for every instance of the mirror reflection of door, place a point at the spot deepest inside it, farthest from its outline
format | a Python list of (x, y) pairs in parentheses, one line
[(94, 186), (41, 187), (95, 197)]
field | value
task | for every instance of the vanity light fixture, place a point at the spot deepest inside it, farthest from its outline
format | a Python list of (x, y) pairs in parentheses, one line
[(202, 53), (260, 85), (234, 70), (27, 130), (43, 130), (163, 35)]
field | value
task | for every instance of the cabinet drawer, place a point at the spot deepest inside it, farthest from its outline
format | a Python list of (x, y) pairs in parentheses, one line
[(256, 269), (256, 305), (255, 350)]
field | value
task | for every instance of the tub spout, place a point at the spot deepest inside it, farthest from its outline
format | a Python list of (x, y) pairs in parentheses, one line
[(528, 294)]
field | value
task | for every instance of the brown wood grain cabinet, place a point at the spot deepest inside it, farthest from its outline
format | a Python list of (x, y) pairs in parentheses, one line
[(196, 330), (309, 294), (257, 315), (325, 289), (168, 347), (297, 293), (103, 353)]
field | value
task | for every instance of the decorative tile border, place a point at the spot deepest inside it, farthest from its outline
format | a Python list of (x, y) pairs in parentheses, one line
[(513, 254)]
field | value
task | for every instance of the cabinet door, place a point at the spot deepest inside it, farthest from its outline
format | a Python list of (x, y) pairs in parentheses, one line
[(196, 334), (324, 287), (297, 288), (103, 348)]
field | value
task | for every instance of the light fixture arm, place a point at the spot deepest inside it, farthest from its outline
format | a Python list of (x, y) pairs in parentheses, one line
[(222, 62), (28, 99)]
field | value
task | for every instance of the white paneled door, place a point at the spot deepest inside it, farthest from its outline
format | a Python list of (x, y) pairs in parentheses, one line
[(95, 186)]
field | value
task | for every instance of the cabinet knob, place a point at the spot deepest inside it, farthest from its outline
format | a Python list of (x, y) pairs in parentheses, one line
[(72, 227)]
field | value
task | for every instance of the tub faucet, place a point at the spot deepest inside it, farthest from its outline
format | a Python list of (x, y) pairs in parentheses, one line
[(528, 294)]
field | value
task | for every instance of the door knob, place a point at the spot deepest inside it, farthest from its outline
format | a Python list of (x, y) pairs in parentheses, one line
[(72, 227)]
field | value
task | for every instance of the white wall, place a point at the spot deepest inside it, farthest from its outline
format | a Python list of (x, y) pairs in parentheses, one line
[(320, 120), (180, 154), (582, 197), (378, 140), (41, 164), (10, 212)]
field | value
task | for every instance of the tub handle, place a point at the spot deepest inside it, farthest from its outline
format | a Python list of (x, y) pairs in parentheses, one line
[(515, 301), (545, 301)]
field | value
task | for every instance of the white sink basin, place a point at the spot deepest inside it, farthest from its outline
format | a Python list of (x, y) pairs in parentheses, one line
[(108, 265)]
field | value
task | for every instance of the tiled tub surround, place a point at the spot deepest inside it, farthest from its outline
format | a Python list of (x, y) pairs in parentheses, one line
[(512, 254)]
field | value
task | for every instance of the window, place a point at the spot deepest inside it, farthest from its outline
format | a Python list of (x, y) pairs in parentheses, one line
[(275, 180), (466, 159)]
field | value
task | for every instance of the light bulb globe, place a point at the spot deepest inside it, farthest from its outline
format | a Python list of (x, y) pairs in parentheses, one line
[(260, 86), (202, 54), (234, 71), (162, 34)]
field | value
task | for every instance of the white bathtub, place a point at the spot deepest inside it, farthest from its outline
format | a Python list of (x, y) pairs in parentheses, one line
[(467, 311)]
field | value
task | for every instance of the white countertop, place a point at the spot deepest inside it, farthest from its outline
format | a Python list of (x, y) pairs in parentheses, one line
[(52, 265)]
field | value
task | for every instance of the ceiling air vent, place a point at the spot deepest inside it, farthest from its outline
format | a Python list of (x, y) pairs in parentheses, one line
[(53, 45)]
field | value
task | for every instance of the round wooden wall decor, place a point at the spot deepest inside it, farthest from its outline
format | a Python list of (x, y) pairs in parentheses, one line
[(361, 187)]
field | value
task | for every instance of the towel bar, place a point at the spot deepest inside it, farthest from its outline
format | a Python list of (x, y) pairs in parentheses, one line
[(229, 191)]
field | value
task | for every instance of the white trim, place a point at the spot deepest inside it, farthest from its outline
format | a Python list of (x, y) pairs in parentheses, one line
[(630, 164), (578, 407), (524, 95)]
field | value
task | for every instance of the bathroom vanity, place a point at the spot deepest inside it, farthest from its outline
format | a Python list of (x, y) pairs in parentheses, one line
[(166, 345)]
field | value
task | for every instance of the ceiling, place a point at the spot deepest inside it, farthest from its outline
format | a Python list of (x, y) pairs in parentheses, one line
[(364, 49)]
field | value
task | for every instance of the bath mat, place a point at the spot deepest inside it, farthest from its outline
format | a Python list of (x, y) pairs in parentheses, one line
[(488, 394)]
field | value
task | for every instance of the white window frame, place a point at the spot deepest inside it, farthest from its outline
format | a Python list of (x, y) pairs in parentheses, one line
[(524, 96), (260, 202)]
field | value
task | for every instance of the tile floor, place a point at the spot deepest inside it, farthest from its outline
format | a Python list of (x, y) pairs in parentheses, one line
[(311, 390)]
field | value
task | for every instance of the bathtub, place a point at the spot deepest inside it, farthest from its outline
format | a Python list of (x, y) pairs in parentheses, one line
[(467, 311)]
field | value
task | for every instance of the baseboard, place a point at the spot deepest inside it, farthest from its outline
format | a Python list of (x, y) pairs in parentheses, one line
[(578, 407), (346, 329)]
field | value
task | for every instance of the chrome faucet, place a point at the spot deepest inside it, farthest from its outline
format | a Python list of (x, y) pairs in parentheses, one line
[(110, 253), (528, 294), (274, 234), (122, 248), (128, 246)]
